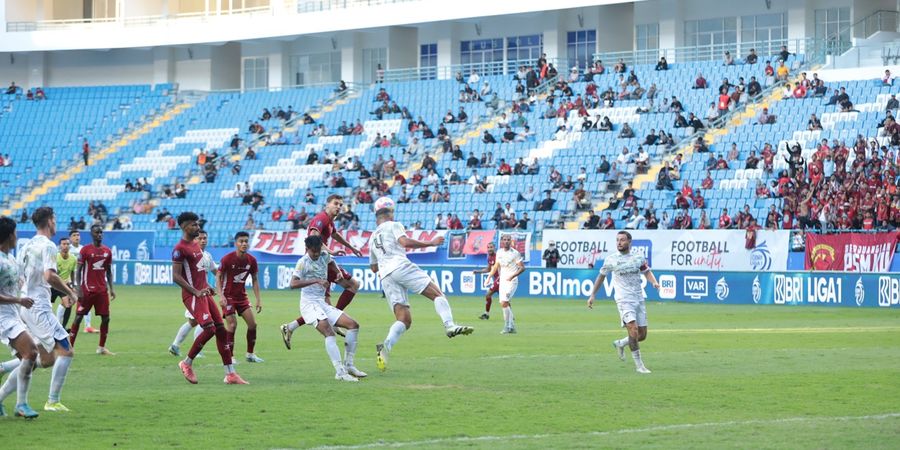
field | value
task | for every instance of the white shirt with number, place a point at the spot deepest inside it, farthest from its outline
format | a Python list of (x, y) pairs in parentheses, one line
[(509, 264), (35, 257), (626, 279), (308, 268), (385, 249)]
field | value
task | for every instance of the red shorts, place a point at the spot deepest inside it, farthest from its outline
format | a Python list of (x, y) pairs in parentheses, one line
[(332, 277), (236, 306), (203, 309), (98, 301)]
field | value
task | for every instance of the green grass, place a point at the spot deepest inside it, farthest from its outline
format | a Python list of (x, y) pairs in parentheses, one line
[(723, 376)]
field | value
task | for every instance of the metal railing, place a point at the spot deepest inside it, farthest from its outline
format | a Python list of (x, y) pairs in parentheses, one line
[(841, 41), (713, 52), (464, 70)]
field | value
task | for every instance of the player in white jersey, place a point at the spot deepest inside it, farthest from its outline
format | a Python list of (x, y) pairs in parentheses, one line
[(311, 277), (12, 330), (508, 267), (627, 269), (38, 262), (387, 258), (212, 269)]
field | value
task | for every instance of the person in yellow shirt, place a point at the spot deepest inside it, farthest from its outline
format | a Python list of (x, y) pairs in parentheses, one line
[(782, 72), (65, 267)]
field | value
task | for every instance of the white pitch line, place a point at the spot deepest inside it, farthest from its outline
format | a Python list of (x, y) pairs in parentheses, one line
[(743, 330), (683, 426)]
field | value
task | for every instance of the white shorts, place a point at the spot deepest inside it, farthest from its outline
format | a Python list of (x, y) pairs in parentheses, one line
[(44, 327), (636, 312), (313, 312), (508, 289), (399, 282), (10, 328)]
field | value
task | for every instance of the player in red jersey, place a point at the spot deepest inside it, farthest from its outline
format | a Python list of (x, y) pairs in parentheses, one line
[(495, 287), (190, 274), (233, 271), (94, 277), (323, 225)]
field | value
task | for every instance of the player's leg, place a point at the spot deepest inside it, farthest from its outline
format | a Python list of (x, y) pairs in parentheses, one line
[(67, 314), (101, 308), (442, 306), (642, 333), (186, 327), (76, 324), (250, 320), (488, 299), (20, 377), (63, 353), (403, 322), (507, 290), (348, 283), (197, 307), (316, 314), (230, 328), (287, 330), (87, 324), (352, 327)]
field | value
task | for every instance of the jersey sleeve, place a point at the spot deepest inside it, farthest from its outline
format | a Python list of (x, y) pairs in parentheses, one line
[(645, 267), (517, 258), (398, 230), (300, 269), (606, 268), (48, 256), (254, 267), (109, 260), (373, 260), (177, 255)]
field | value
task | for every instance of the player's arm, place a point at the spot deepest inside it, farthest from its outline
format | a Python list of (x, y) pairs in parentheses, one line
[(652, 279), (341, 240), (494, 269), (78, 280), (256, 293), (219, 281), (297, 283), (597, 283), (109, 283), (178, 278), (520, 267), (408, 242), (373, 261), (53, 279), (24, 301)]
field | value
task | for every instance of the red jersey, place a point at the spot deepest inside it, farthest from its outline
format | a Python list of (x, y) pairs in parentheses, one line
[(190, 256), (235, 271), (95, 262), (324, 225)]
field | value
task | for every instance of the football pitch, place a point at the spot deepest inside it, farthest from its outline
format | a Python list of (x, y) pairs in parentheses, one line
[(723, 376)]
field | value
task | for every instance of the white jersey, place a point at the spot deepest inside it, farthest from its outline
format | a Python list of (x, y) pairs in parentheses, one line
[(35, 257), (308, 268), (385, 249), (626, 280), (9, 284), (208, 264), (509, 263)]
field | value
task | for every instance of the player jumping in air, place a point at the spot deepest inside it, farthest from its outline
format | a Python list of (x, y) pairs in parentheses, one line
[(234, 269), (387, 258), (495, 281), (189, 273), (322, 224), (95, 280), (311, 277), (507, 268), (627, 269)]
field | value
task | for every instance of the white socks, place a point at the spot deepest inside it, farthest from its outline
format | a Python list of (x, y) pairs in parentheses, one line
[(397, 330), (508, 318), (9, 366), (334, 353), (87, 320), (622, 342), (229, 368), (350, 346), (23, 381), (60, 369), (293, 325), (636, 354), (182, 333), (443, 309)]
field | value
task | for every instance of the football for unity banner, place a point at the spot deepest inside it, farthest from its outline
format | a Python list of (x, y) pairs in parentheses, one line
[(676, 249), (851, 252), (291, 242), (521, 241)]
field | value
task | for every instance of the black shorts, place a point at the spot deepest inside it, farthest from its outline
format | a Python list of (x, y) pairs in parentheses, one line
[(54, 294)]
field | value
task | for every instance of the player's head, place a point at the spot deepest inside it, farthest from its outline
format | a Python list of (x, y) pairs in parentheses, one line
[(64, 244), (333, 205), (202, 239), (623, 241), (505, 241), (97, 234), (491, 248), (44, 219), (187, 221), (242, 241), (384, 209), (7, 232), (313, 246), (75, 237)]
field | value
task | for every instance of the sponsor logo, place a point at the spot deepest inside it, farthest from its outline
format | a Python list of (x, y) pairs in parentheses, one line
[(644, 248), (696, 287), (722, 290), (859, 292), (124, 274), (888, 292), (667, 287), (787, 289), (467, 282), (756, 290), (266, 278), (761, 258), (487, 282), (143, 251), (822, 257)]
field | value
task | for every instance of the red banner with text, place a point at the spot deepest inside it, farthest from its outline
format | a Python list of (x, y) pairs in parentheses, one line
[(291, 242), (851, 252)]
